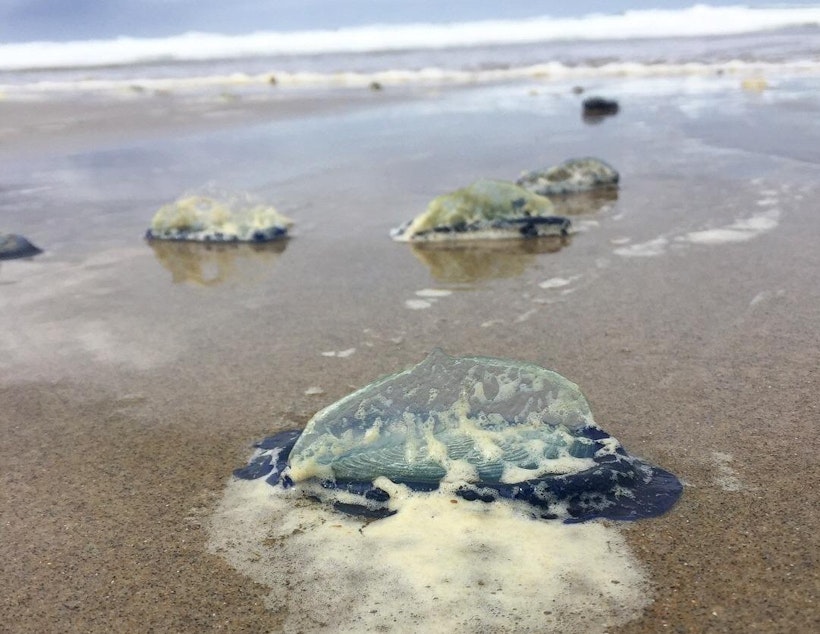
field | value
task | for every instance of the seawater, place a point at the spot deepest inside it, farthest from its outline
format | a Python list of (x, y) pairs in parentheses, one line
[(699, 39)]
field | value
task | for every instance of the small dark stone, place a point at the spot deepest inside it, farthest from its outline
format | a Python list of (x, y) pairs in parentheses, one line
[(598, 108), (374, 85), (272, 80)]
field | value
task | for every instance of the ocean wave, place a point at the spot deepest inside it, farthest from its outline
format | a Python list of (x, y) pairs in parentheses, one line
[(553, 71), (699, 20)]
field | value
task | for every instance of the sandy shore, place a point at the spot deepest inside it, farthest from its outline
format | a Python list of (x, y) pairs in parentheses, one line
[(133, 380)]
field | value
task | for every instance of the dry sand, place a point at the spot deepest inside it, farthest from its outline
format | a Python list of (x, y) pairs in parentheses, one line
[(133, 380)]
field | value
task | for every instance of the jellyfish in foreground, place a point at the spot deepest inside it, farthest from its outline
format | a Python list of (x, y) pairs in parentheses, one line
[(483, 428)]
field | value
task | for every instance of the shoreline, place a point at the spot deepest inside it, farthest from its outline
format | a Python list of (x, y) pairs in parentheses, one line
[(131, 387)]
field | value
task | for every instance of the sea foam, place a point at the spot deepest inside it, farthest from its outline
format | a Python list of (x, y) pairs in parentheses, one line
[(439, 564)]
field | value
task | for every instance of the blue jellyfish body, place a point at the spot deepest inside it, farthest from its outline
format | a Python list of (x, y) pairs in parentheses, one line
[(490, 428)]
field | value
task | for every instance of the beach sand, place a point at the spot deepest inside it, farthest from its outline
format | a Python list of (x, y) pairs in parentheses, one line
[(134, 378)]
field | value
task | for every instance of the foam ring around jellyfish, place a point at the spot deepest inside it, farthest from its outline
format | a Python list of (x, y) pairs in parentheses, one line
[(481, 427)]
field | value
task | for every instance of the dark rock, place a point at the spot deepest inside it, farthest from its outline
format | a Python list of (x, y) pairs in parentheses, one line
[(13, 246), (596, 109)]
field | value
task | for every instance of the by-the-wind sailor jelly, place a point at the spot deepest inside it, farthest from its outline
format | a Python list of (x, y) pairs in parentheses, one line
[(483, 428), (487, 209)]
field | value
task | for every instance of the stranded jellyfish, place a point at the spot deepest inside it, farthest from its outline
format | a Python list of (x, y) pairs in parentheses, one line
[(218, 217), (570, 177), (483, 428), (15, 246), (485, 209)]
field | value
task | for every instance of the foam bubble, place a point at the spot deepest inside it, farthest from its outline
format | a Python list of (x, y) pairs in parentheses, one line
[(433, 292), (439, 564), (647, 249), (767, 201), (417, 304), (525, 316), (558, 282), (339, 353), (727, 477), (764, 296)]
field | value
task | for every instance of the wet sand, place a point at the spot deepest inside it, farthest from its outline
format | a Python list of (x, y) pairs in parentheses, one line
[(133, 379)]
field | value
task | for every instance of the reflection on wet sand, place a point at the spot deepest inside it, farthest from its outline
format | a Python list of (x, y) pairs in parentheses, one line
[(590, 202), (208, 264), (464, 262)]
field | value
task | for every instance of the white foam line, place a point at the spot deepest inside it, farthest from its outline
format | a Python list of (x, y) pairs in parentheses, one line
[(648, 249), (699, 20), (765, 296), (525, 316), (142, 87), (417, 304), (433, 292), (741, 230), (767, 202), (342, 354), (558, 282)]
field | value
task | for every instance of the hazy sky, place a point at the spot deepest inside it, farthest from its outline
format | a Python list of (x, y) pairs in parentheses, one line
[(24, 20)]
